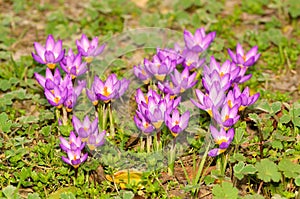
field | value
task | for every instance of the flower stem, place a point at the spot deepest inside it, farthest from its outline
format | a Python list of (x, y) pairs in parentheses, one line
[(172, 157), (149, 140), (65, 116), (111, 120)]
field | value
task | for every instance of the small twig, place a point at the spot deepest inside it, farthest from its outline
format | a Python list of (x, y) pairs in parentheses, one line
[(260, 186)]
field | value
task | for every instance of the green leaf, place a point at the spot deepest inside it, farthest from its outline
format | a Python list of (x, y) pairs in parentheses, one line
[(127, 194), (255, 196), (68, 195), (237, 157), (4, 84), (294, 8), (276, 106), (33, 196), (297, 180), (238, 136), (5, 124), (10, 192), (225, 191), (267, 171), (290, 169), (58, 194), (285, 119), (241, 169), (264, 106), (254, 117)]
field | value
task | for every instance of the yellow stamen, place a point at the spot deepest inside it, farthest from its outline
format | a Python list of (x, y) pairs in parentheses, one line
[(88, 59), (209, 111), (56, 100), (51, 66), (226, 117), (229, 103), (106, 93), (221, 140)]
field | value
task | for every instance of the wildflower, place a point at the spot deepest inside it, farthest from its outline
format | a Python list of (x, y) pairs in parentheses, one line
[(73, 143), (242, 59), (215, 98), (88, 49), (49, 80), (73, 65), (222, 138), (75, 157), (143, 123), (179, 82), (112, 88), (50, 54), (227, 117), (56, 97), (246, 99), (86, 128), (227, 68), (159, 68), (199, 41), (209, 79), (96, 139), (192, 60), (172, 54), (73, 94), (177, 123), (141, 73)]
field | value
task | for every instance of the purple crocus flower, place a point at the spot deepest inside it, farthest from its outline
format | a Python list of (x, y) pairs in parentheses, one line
[(73, 143), (192, 60), (50, 54), (227, 68), (242, 59), (155, 111), (173, 54), (209, 79), (159, 68), (89, 49), (231, 100), (73, 65), (246, 99), (73, 94), (143, 123), (56, 97), (200, 41), (175, 123), (215, 98), (179, 82), (112, 88), (86, 128), (222, 138), (92, 95), (140, 72), (96, 139), (50, 80), (75, 157), (227, 117)]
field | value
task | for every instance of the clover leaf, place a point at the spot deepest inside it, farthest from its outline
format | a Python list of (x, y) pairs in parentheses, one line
[(267, 171), (225, 191)]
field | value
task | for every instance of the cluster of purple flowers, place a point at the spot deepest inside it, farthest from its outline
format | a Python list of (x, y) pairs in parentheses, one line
[(174, 70), (176, 63), (222, 98), (61, 92), (88, 134), (154, 110)]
